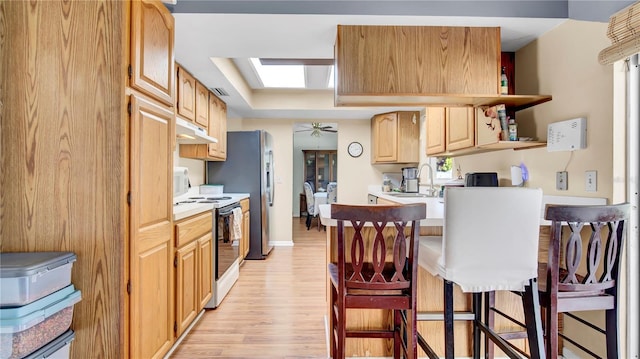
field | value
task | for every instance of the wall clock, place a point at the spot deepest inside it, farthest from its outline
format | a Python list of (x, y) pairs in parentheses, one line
[(355, 149)]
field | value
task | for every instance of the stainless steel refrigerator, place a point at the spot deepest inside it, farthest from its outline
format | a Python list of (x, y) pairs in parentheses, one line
[(249, 169)]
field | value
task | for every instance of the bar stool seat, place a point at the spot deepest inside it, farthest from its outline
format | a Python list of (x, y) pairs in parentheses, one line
[(489, 243)]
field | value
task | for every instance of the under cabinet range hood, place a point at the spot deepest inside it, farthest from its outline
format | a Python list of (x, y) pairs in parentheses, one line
[(188, 133)]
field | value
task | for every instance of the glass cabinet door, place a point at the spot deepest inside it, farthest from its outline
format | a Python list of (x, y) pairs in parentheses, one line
[(320, 168), (333, 164), (310, 168), (322, 171)]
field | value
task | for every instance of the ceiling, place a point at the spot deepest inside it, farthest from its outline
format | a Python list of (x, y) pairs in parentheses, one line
[(214, 37)]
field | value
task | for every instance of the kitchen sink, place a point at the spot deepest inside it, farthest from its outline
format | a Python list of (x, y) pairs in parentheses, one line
[(405, 194)]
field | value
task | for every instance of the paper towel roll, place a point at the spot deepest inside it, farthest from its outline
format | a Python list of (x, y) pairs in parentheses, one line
[(516, 176)]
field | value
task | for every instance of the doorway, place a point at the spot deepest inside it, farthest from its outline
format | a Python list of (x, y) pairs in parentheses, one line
[(310, 136)]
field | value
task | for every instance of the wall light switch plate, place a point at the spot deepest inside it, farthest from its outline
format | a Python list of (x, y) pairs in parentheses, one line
[(591, 181), (561, 181)]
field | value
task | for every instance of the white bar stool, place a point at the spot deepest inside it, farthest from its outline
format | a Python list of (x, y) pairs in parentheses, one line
[(489, 243)]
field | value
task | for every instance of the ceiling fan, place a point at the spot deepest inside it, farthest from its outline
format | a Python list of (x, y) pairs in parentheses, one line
[(317, 129)]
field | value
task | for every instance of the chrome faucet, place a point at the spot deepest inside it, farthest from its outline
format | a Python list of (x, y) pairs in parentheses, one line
[(432, 191)]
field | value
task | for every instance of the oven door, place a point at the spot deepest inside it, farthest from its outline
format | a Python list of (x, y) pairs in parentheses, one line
[(226, 247)]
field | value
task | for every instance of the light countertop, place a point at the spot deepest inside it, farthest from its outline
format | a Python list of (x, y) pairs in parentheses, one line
[(435, 206)]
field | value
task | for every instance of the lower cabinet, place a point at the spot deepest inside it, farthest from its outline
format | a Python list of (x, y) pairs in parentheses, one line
[(194, 268), (246, 229)]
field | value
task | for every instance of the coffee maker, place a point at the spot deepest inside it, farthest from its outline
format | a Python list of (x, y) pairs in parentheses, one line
[(410, 179)]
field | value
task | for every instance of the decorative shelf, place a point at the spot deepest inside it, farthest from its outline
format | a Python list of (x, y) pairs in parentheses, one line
[(512, 102), (498, 146)]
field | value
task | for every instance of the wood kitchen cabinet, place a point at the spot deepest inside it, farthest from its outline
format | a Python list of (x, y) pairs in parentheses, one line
[(217, 119), (320, 167), (246, 229), (217, 128), (421, 66), (186, 104), (106, 144), (194, 268), (459, 131), (202, 106), (449, 129), (395, 137), (390, 64), (152, 50)]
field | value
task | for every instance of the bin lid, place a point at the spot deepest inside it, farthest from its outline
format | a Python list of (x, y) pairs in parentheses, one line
[(23, 264), (17, 319), (53, 346)]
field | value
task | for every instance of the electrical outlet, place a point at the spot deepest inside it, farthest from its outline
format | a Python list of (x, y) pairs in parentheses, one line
[(561, 181), (591, 181)]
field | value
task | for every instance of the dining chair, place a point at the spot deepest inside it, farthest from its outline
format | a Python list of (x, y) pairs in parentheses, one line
[(376, 268), (332, 192), (489, 243), (311, 208)]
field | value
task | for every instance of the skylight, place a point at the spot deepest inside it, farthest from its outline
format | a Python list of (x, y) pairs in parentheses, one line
[(288, 73), (283, 76)]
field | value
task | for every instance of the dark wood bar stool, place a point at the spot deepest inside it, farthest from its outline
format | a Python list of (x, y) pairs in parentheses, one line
[(489, 243), (376, 269), (576, 278)]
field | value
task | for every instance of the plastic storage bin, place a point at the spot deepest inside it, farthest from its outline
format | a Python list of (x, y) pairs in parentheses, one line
[(28, 328), (59, 348), (29, 276)]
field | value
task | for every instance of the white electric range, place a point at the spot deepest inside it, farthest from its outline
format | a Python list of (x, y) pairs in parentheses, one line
[(226, 266), (193, 202)]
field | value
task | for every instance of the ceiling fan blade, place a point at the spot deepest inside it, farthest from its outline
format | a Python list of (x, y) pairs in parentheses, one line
[(330, 130)]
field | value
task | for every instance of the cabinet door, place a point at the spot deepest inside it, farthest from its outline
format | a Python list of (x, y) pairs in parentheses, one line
[(151, 229), (186, 286), (152, 50), (186, 106), (408, 136), (384, 141), (205, 270), (333, 166), (217, 128), (246, 232), (435, 130), (310, 167), (460, 128), (202, 105)]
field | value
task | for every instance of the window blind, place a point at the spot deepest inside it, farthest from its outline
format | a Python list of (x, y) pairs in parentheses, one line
[(624, 32)]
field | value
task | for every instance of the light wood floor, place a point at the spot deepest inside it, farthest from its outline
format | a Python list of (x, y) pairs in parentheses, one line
[(275, 310)]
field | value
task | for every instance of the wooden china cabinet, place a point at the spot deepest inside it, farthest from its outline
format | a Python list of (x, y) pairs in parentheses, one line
[(320, 167)]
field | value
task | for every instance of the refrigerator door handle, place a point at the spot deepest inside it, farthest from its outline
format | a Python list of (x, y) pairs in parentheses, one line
[(271, 175)]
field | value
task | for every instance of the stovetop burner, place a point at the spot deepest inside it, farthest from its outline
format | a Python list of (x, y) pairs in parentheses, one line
[(200, 199)]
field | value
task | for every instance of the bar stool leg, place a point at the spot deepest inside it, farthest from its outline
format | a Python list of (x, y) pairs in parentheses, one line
[(489, 315), (477, 318), (533, 320), (449, 347)]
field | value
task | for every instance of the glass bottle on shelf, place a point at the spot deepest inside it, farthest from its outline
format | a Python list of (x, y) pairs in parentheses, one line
[(504, 82)]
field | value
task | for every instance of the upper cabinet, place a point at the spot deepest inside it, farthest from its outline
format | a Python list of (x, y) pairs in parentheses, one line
[(457, 131), (217, 128), (421, 66), (186, 106), (202, 106), (152, 46), (395, 137)]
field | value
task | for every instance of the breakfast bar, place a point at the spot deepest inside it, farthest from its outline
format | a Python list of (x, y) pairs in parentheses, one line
[(430, 288)]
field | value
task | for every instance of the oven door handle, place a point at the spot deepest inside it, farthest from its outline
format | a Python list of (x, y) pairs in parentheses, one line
[(227, 211)]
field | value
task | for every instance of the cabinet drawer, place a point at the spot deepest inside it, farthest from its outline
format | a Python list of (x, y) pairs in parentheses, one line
[(193, 228), (244, 204)]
